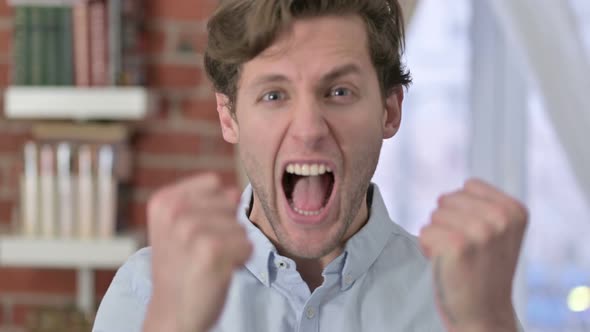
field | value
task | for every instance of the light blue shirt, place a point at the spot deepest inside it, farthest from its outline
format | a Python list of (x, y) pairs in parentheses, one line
[(381, 282)]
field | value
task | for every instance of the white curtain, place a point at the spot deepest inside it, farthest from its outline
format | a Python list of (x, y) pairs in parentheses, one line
[(547, 41)]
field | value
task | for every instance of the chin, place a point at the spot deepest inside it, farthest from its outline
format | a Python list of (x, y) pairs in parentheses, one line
[(310, 252)]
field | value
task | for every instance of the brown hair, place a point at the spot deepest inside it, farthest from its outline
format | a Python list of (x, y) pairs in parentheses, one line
[(241, 29)]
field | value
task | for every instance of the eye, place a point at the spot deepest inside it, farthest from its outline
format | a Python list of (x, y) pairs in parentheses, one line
[(272, 96), (339, 92)]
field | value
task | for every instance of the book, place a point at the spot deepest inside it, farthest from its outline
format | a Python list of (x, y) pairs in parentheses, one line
[(133, 44), (81, 39), (114, 40), (65, 48), (21, 52), (49, 45), (36, 45), (98, 43)]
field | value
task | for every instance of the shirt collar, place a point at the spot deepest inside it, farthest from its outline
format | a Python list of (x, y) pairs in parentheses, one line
[(360, 252), (363, 248), (259, 262)]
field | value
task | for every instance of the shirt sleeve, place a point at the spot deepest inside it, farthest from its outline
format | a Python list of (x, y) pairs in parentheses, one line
[(123, 307)]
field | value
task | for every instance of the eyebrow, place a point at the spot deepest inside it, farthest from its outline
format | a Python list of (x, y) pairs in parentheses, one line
[(338, 72), (332, 75), (271, 78)]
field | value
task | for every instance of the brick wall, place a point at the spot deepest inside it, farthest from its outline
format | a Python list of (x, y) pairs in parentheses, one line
[(182, 137)]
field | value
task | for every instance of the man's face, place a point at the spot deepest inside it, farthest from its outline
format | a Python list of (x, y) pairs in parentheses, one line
[(309, 124)]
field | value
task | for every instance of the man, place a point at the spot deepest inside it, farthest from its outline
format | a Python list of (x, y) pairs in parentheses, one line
[(308, 89)]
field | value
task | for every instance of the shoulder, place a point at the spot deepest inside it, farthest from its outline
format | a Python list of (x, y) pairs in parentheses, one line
[(404, 249), (400, 244), (136, 274), (125, 302), (402, 239)]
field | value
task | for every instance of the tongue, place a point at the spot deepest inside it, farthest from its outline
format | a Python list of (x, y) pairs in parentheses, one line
[(309, 192)]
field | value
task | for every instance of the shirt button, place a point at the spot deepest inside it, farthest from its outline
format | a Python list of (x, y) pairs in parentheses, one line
[(262, 276), (348, 279), (310, 312), (282, 265)]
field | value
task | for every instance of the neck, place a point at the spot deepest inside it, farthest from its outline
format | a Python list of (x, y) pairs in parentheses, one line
[(311, 270)]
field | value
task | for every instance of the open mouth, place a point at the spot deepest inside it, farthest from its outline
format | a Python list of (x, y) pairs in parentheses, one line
[(308, 187)]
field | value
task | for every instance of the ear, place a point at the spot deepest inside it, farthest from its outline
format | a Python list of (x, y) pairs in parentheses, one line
[(392, 116), (229, 126)]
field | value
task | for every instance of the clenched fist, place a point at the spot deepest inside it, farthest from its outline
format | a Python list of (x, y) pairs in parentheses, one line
[(197, 244), (474, 240)]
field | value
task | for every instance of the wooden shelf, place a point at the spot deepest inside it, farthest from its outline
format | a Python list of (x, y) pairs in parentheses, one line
[(76, 103), (21, 251), (42, 2), (82, 255)]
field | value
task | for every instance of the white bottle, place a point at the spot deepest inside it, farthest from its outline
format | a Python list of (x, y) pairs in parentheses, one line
[(30, 192), (107, 194), (48, 191), (85, 193), (64, 184)]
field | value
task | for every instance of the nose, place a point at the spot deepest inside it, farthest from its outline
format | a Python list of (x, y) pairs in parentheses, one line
[(308, 124)]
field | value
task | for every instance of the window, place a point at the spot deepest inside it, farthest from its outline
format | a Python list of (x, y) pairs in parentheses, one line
[(558, 255), (430, 156)]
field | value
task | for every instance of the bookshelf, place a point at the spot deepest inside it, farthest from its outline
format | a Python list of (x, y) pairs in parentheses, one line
[(111, 253), (83, 255), (76, 60), (76, 103)]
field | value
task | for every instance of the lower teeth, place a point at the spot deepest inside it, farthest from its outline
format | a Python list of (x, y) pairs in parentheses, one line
[(307, 213)]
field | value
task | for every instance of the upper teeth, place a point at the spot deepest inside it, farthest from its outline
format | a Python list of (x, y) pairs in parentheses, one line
[(308, 169)]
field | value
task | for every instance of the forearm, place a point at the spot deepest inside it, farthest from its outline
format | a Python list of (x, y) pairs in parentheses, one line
[(156, 319), (508, 323), (162, 316), (489, 328)]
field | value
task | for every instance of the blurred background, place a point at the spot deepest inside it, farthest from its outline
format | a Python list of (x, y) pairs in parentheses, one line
[(104, 101), (498, 93)]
